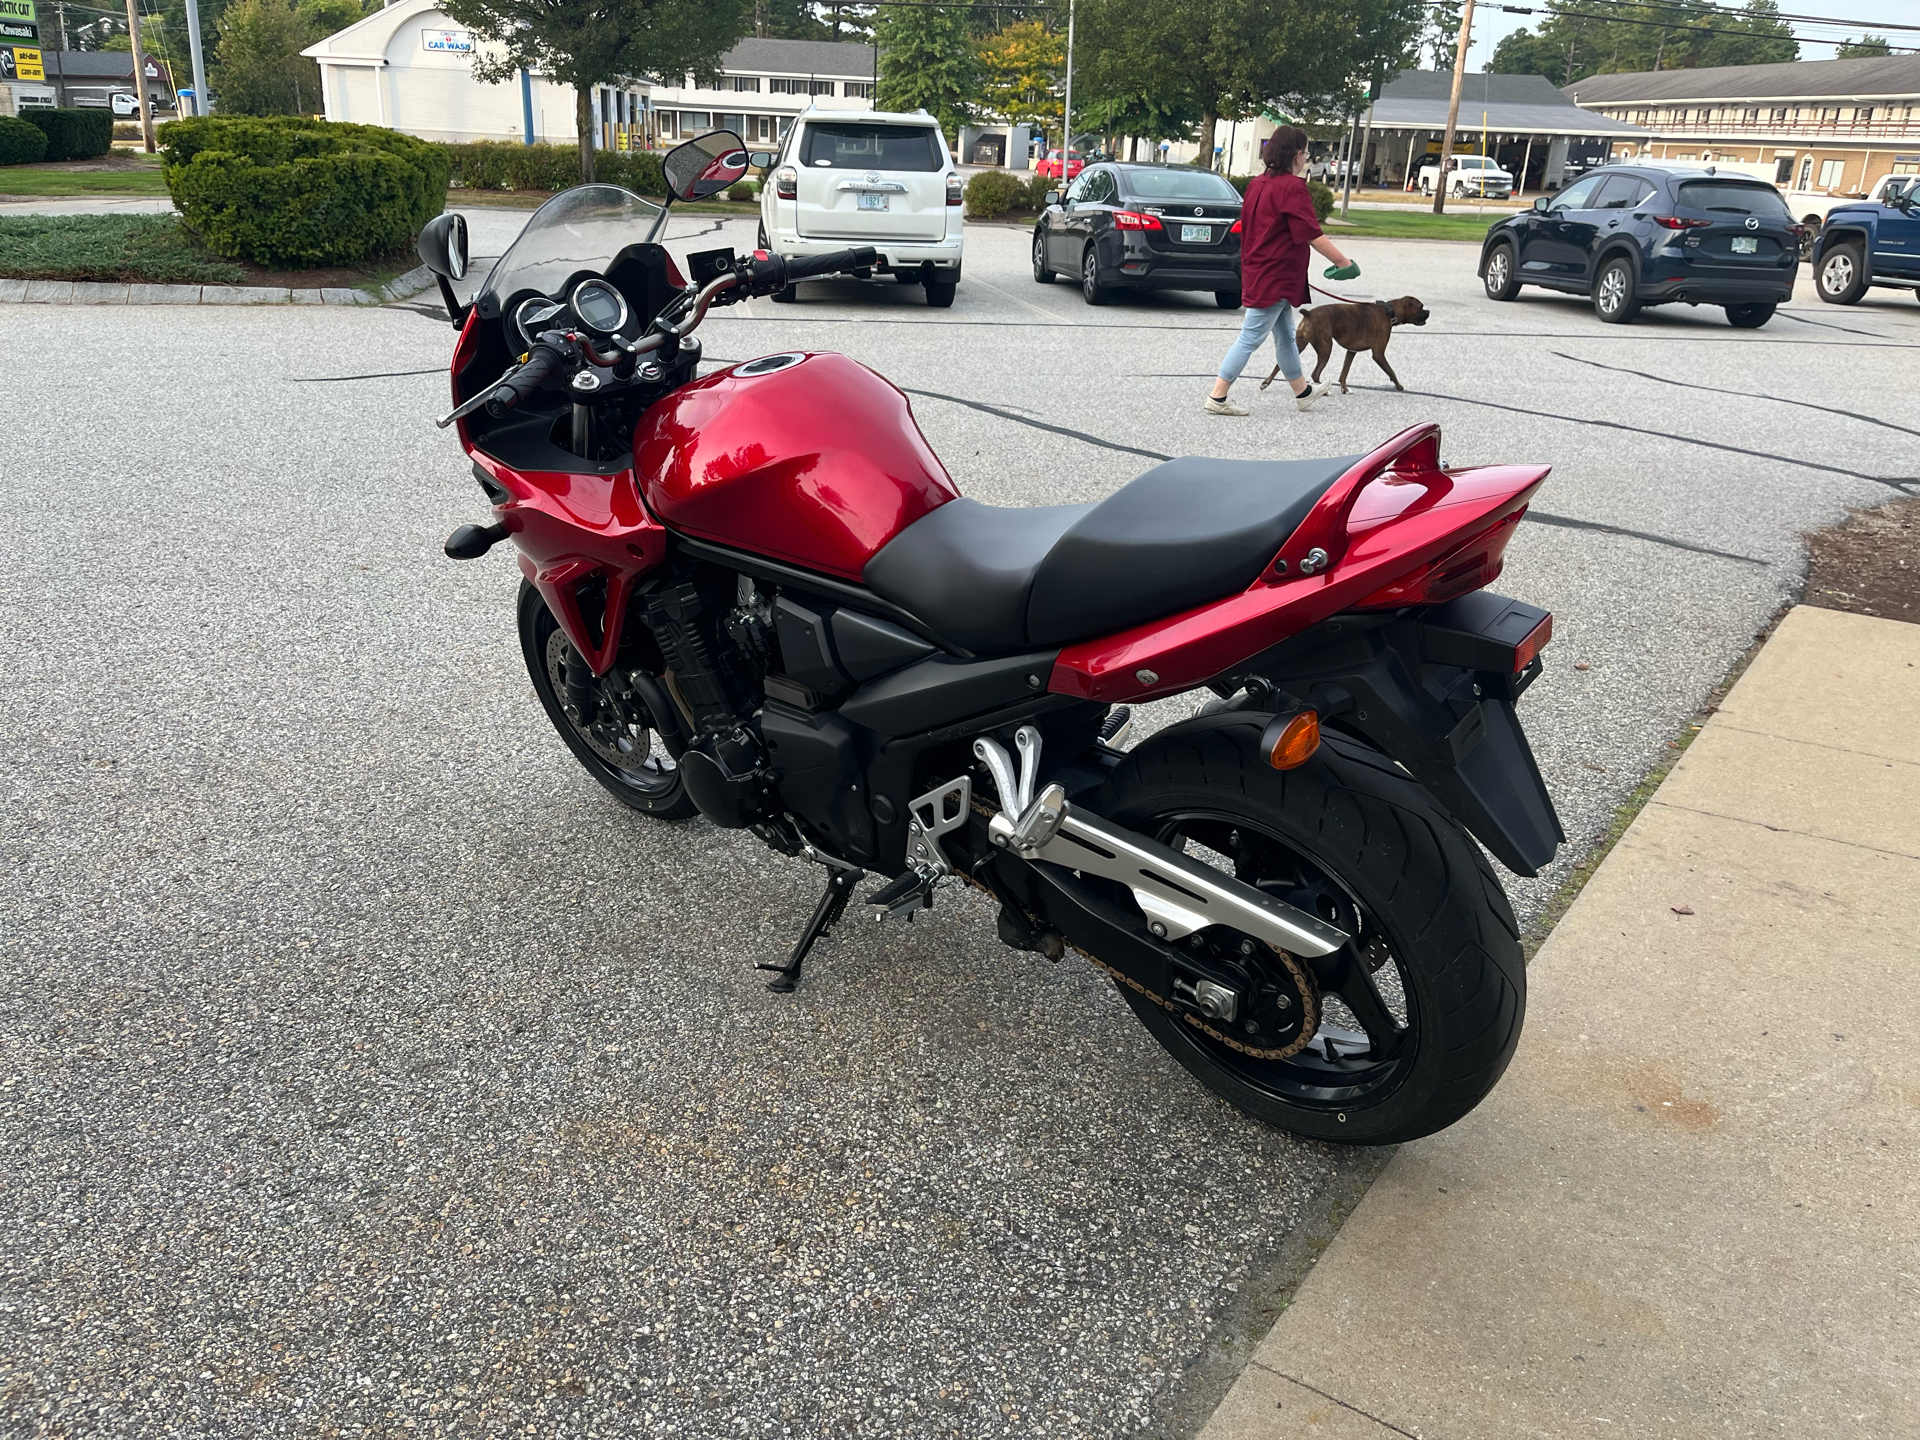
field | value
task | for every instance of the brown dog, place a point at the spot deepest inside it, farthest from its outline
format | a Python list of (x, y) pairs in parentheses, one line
[(1354, 326)]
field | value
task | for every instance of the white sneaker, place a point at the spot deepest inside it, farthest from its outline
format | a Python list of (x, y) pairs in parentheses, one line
[(1304, 400), (1223, 407)]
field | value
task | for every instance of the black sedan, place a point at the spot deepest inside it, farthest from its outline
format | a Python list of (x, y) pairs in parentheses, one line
[(1142, 227), (1637, 235)]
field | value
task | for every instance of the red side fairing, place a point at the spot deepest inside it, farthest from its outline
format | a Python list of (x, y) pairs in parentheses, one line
[(1396, 529), (819, 464)]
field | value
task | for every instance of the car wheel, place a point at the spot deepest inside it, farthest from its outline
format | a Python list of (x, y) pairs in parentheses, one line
[(1459, 191), (1090, 287), (1749, 317), (1042, 272), (940, 293), (1501, 279), (1613, 298), (1227, 299), (1843, 275)]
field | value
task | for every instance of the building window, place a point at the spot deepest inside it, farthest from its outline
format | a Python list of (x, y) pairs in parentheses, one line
[(1863, 115), (786, 85), (694, 122), (749, 84), (1830, 172), (857, 90), (1779, 114), (1830, 115), (820, 87)]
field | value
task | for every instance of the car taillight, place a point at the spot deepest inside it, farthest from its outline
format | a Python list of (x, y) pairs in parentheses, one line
[(786, 183), (1472, 566), (1234, 229), (953, 188), (1679, 222), (1134, 220)]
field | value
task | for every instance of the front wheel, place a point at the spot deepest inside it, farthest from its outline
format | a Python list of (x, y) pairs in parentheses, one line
[(1042, 272), (1502, 279), (1749, 317), (612, 735), (1843, 275), (1407, 1027), (1227, 299)]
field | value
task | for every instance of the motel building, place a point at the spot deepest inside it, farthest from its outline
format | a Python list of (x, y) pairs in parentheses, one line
[(1829, 126)]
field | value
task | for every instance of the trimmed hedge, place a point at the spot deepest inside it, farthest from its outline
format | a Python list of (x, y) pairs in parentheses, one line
[(502, 165), (73, 134), (21, 143), (286, 191), (1324, 198), (991, 193)]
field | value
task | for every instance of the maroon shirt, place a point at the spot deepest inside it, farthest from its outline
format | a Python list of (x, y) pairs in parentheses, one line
[(1277, 230)]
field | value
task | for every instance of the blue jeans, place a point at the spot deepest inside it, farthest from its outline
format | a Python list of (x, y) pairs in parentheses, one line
[(1282, 321)]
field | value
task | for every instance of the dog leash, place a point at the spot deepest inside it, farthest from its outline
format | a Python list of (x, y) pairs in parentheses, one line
[(1344, 299)]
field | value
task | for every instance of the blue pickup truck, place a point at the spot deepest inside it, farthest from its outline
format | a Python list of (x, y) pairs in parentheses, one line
[(1870, 242)]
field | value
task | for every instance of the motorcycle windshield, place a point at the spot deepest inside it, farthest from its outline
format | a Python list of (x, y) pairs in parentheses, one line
[(579, 229)]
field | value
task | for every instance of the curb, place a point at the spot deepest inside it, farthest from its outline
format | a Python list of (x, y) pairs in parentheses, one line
[(93, 292)]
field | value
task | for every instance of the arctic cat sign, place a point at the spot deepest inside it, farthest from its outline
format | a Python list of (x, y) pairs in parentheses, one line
[(19, 22)]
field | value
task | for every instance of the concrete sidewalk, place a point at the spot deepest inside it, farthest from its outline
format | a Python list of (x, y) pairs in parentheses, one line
[(1692, 1207)]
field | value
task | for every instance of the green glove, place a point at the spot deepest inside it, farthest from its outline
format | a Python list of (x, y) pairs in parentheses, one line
[(1349, 271)]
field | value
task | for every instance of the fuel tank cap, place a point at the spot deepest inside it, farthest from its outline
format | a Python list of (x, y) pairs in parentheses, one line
[(767, 364)]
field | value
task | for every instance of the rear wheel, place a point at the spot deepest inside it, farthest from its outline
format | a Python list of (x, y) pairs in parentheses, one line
[(1090, 287), (1417, 1016), (1843, 274), (612, 737), (1227, 299), (1042, 272), (1502, 274), (940, 293), (1613, 287), (1749, 317)]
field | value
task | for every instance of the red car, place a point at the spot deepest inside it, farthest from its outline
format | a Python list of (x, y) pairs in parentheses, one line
[(1049, 168)]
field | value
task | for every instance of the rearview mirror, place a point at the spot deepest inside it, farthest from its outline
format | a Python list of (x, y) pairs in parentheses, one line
[(442, 245), (705, 166), (1541, 202), (1053, 197)]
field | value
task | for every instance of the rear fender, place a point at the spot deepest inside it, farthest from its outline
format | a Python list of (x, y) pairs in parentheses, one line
[(1432, 689)]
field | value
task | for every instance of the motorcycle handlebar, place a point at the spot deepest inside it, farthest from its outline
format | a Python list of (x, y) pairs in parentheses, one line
[(540, 365), (775, 273)]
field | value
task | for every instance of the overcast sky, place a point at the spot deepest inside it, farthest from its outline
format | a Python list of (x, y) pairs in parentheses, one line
[(1816, 42)]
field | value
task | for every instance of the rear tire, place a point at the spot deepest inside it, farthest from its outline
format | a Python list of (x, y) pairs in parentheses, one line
[(1842, 279), (1091, 290), (1502, 277), (1613, 290), (1227, 299), (1749, 317), (940, 293), (1042, 272), (645, 779), (1390, 864)]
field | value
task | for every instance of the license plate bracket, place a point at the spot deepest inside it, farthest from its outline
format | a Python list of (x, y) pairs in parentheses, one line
[(1196, 234), (1746, 245), (873, 202)]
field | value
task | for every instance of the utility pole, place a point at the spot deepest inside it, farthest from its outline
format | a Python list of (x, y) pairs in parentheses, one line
[(1453, 108), (200, 105), (140, 74), (60, 14), (1066, 109)]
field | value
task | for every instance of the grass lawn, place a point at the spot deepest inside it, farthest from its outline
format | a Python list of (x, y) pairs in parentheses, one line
[(154, 249), (121, 173), (1418, 225)]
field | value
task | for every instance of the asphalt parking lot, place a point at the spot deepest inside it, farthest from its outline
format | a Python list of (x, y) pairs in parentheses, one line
[(364, 1069)]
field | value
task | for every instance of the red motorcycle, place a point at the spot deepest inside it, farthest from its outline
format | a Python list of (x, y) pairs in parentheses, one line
[(756, 596)]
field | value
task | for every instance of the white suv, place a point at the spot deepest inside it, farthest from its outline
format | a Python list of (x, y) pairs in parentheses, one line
[(867, 177)]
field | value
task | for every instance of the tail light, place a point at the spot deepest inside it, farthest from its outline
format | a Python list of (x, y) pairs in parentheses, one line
[(786, 183), (1489, 633), (1134, 220), (1680, 222), (953, 188), (1471, 566), (1234, 229)]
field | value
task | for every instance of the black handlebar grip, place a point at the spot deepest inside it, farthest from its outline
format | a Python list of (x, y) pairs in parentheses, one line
[(541, 364), (805, 267)]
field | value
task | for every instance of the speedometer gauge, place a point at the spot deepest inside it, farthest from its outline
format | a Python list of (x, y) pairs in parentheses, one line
[(599, 307), (534, 314)]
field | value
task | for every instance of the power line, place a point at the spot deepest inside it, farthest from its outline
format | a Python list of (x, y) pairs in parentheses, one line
[(1670, 26), (1721, 11)]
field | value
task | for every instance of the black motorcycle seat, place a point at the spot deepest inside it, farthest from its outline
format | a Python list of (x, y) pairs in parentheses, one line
[(989, 579)]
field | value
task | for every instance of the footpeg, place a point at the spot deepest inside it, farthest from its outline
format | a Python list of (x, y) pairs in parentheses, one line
[(901, 897)]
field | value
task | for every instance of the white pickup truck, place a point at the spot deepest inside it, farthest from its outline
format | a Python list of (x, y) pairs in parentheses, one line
[(1810, 207), (1476, 175)]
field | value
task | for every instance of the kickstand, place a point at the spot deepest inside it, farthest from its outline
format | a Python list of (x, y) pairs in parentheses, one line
[(826, 915)]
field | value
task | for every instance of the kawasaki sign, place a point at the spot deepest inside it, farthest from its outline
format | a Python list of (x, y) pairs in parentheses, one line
[(19, 22)]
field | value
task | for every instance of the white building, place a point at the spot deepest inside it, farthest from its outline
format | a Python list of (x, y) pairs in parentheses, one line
[(409, 67), (763, 84)]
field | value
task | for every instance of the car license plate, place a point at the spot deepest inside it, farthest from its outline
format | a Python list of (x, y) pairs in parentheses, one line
[(1746, 245), (1196, 234), (873, 202)]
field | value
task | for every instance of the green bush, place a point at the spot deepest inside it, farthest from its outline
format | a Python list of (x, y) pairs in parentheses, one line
[(991, 193), (1240, 183), (287, 191), (73, 134), (128, 130), (1037, 188), (502, 165), (20, 143), (1322, 199), (741, 191)]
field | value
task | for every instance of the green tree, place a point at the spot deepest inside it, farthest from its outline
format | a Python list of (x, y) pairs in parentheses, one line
[(787, 20), (1441, 37), (1021, 71), (927, 62), (1865, 48), (584, 43), (258, 68), (1574, 42)]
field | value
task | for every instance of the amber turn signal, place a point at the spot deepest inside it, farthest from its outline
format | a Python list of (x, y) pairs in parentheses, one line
[(1290, 741)]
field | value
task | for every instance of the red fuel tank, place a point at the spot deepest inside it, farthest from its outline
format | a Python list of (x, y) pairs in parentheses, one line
[(805, 457)]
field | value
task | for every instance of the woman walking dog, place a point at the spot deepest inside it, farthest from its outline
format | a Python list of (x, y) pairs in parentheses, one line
[(1277, 227)]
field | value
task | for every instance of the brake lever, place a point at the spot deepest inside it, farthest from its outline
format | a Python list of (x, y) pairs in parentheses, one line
[(461, 412)]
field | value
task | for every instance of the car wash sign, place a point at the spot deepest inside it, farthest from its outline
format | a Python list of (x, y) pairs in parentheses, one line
[(452, 42), (19, 25)]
